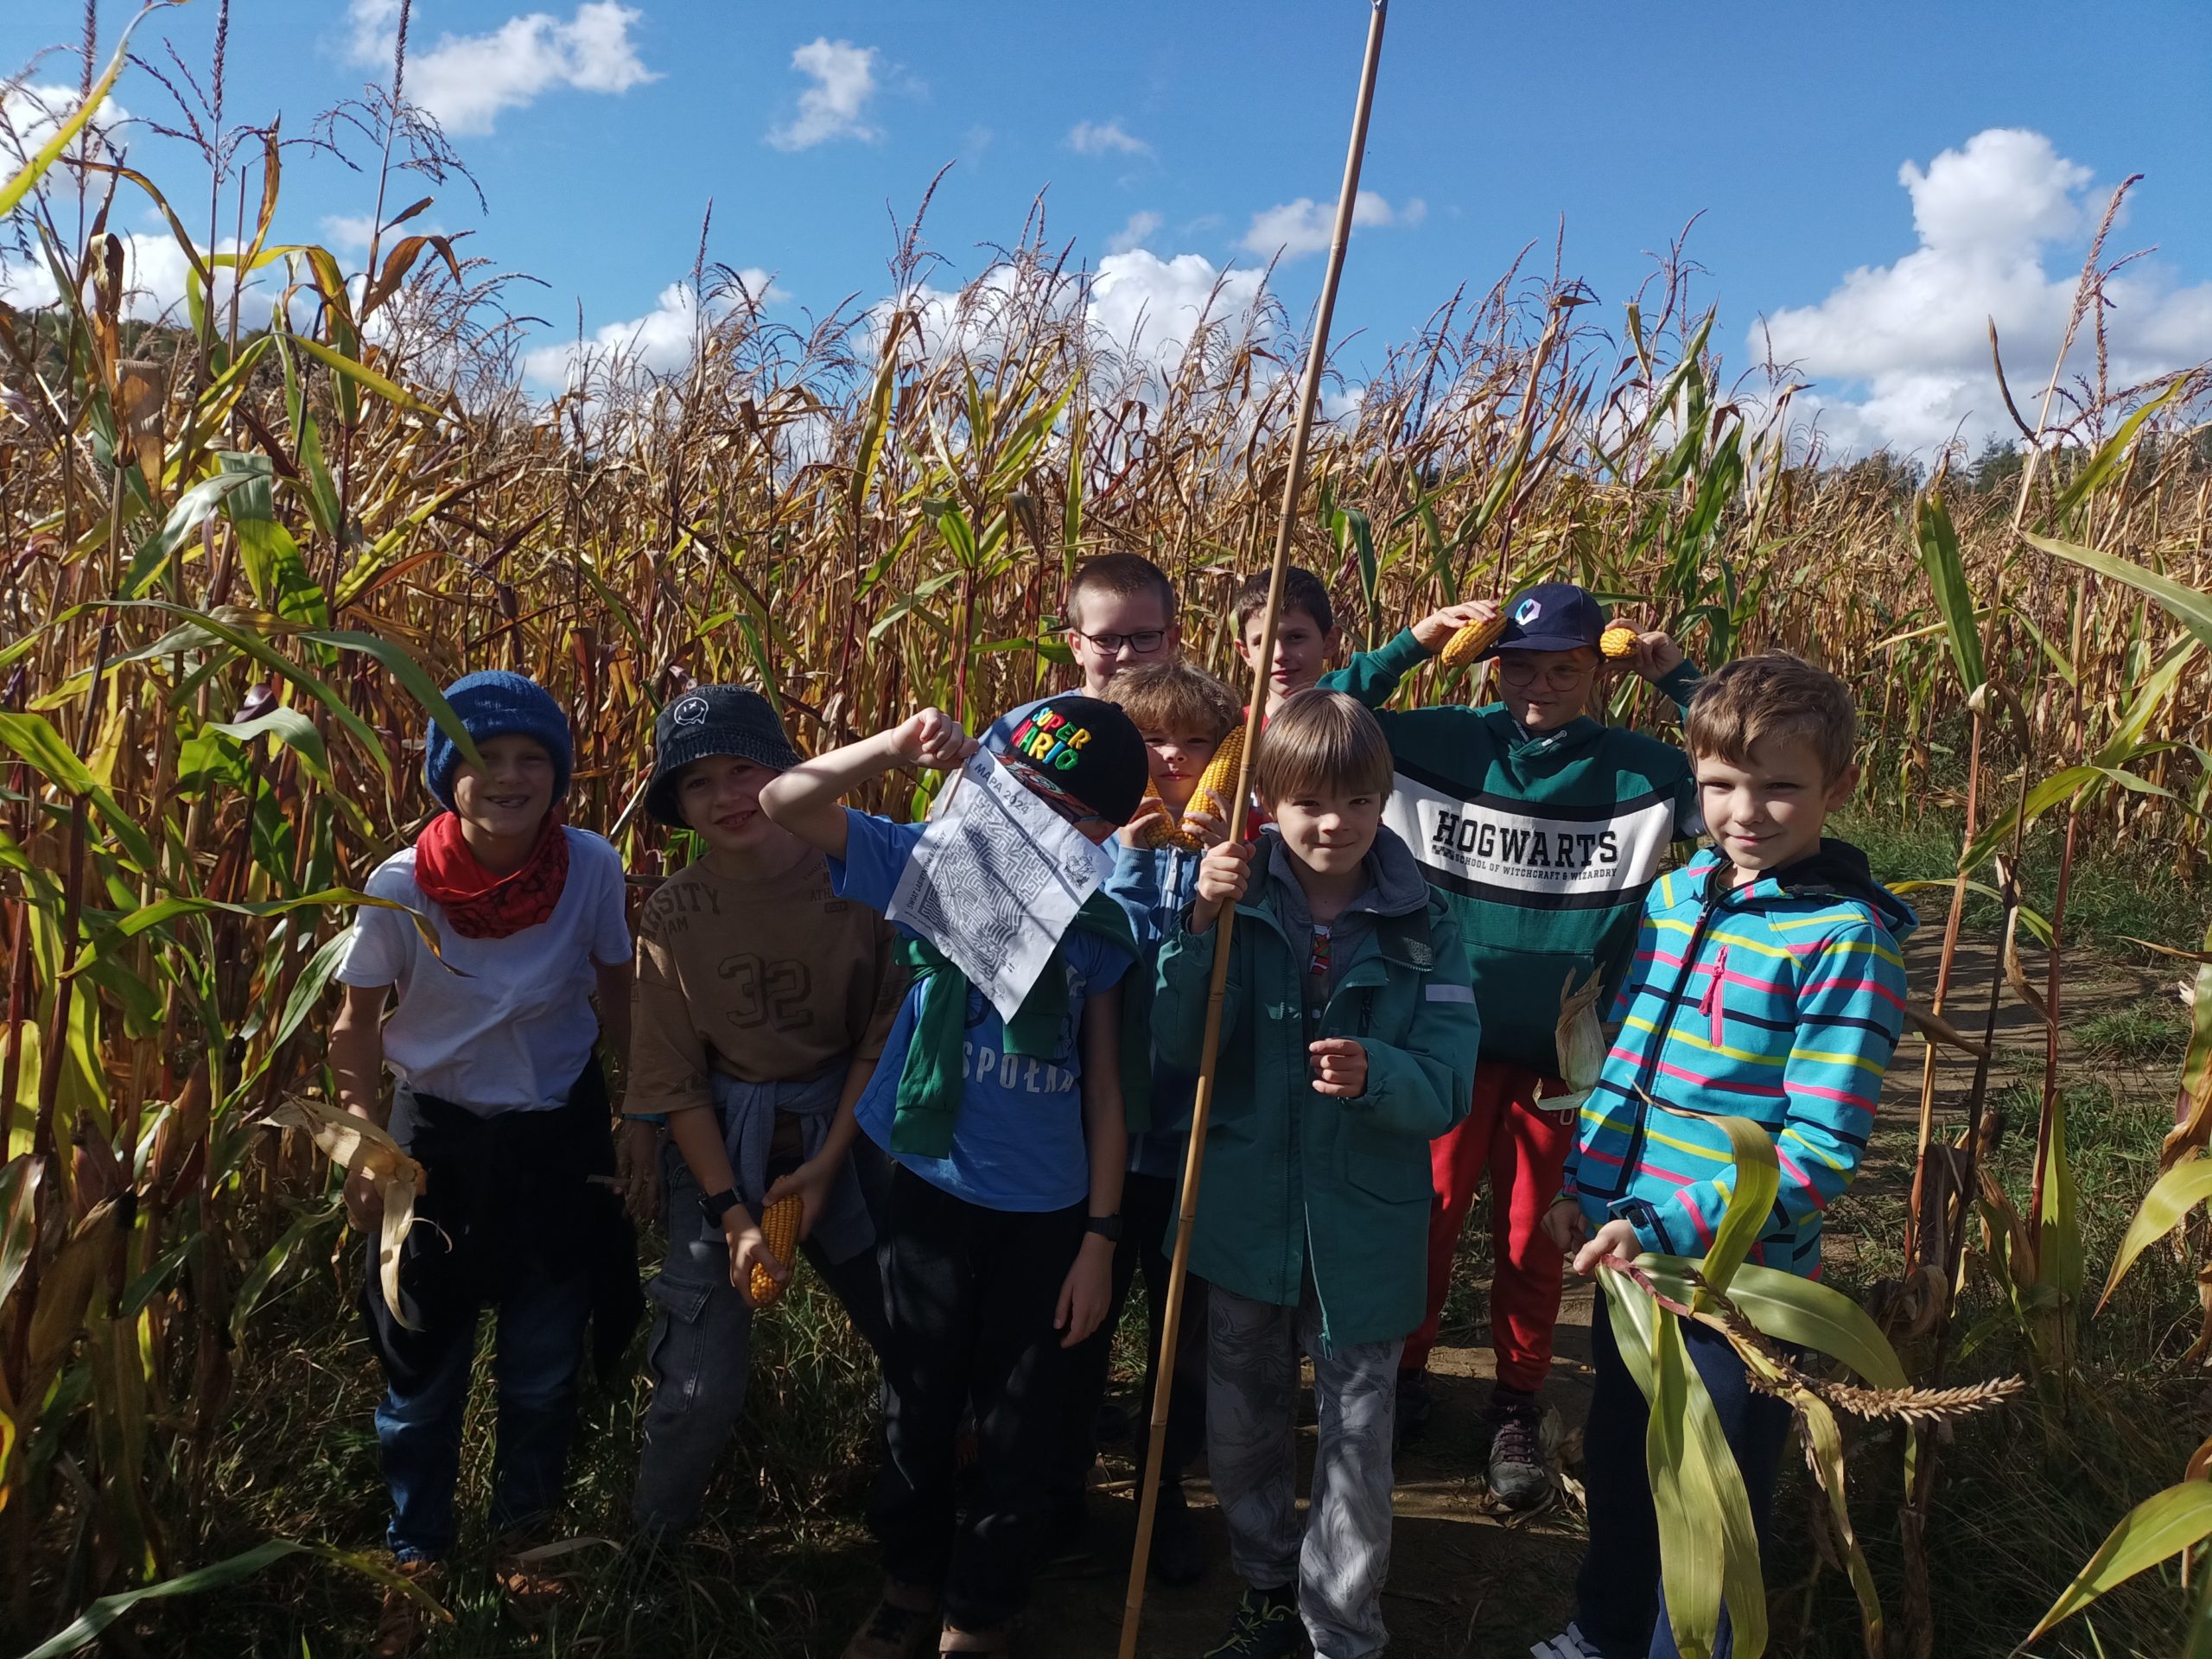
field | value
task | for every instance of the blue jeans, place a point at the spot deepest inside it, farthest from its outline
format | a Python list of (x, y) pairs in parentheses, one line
[(537, 1354), (1617, 1602)]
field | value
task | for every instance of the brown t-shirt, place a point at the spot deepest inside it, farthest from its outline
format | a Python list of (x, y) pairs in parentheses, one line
[(761, 980)]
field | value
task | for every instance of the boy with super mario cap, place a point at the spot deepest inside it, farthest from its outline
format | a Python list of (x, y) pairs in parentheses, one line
[(1543, 828), (1008, 1143)]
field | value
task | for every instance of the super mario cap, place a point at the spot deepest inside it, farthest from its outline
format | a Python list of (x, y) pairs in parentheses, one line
[(1551, 616), (1086, 749)]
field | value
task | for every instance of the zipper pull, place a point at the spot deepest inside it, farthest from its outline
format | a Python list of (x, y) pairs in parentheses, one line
[(1711, 1004)]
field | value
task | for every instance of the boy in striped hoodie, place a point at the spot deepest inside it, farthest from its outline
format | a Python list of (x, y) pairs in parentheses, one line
[(1767, 984)]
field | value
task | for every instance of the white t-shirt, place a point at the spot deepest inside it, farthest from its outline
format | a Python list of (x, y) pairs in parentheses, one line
[(515, 1034)]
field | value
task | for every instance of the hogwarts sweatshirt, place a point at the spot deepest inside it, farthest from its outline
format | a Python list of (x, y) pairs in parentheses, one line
[(1543, 845)]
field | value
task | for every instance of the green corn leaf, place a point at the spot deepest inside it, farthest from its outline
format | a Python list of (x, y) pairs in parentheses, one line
[(289, 727), (2159, 1528), (2186, 605), (1796, 1310), (19, 1180), (2174, 1194), (192, 509), (358, 372), (13, 192), (256, 1284), (1711, 1466), (2109, 454), (410, 674), (2056, 790), (1946, 578), (36, 741), (1751, 1201), (2059, 1254), (1692, 1558)]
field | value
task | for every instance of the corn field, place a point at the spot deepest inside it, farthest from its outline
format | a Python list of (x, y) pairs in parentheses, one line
[(242, 551)]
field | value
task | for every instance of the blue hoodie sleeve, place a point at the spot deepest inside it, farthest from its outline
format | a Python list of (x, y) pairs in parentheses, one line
[(1135, 886)]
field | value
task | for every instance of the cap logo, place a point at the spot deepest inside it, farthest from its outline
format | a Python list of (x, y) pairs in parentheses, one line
[(1050, 739), (690, 711), (1528, 611)]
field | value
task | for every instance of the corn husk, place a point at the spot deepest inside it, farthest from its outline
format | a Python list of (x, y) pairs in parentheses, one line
[(780, 1228), (1580, 1039), (356, 1145)]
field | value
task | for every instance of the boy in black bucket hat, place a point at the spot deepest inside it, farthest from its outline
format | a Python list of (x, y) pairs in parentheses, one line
[(762, 1002)]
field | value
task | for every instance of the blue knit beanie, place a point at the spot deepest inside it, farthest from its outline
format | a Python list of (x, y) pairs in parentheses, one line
[(496, 704)]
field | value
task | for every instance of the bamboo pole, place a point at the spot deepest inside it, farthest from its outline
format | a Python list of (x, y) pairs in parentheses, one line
[(1309, 393)]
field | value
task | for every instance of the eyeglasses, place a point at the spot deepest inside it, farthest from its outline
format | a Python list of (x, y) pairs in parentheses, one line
[(1559, 676), (1141, 643)]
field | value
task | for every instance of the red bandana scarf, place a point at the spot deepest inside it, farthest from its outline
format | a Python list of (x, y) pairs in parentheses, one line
[(482, 906)]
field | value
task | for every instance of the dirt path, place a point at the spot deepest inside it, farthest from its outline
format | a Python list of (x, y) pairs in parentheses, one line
[(1463, 1580)]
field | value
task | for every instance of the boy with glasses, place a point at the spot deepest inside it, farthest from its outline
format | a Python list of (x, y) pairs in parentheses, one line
[(1120, 614), (1543, 829)]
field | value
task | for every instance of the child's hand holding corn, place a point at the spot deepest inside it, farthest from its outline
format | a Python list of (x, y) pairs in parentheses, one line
[(809, 1184), (1435, 631), (749, 1248), (1654, 654)]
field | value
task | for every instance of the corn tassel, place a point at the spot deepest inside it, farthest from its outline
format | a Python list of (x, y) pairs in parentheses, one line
[(1619, 640), (780, 1228), (1471, 642)]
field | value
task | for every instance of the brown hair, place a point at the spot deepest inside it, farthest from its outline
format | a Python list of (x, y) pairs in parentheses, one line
[(1774, 695), (1123, 574), (1321, 739), (1177, 699), (1301, 591)]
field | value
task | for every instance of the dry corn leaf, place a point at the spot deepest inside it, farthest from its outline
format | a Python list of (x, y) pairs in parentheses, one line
[(65, 1291), (1580, 1039), (357, 1146)]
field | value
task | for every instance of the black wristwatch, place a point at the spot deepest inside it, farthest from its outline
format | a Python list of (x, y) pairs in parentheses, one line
[(715, 1207), (1107, 1227)]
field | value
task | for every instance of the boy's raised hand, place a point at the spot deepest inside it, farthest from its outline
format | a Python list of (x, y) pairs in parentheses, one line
[(932, 739), (1434, 631), (1150, 809), (1223, 877), (1655, 654), (1339, 1067)]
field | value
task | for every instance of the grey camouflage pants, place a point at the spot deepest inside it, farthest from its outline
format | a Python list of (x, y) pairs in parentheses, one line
[(1341, 1555)]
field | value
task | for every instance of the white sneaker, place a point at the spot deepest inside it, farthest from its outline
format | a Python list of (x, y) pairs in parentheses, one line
[(1568, 1646)]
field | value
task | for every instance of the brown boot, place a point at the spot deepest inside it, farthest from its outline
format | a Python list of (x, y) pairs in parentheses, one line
[(405, 1622), (903, 1626)]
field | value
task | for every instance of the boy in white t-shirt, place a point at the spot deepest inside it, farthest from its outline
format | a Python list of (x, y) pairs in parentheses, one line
[(498, 1095)]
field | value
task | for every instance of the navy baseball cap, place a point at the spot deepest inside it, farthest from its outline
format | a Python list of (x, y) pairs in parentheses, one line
[(1551, 616)]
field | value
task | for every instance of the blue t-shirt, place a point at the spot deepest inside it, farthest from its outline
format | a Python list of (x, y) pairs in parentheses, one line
[(1018, 1143)]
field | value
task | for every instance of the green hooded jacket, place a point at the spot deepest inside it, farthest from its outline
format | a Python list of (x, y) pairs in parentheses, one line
[(1300, 1188)]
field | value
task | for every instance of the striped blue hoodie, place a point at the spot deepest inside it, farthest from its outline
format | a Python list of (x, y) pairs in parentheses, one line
[(1780, 1001)]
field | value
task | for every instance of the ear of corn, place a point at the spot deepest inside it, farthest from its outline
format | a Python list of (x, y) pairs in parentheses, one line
[(1471, 642), (1217, 780), (1616, 641), (780, 1228), (1162, 831), (1580, 1040)]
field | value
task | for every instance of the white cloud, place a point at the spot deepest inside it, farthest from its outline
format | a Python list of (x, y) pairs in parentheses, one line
[(347, 232), (1134, 234), (31, 110), (1102, 137), (1902, 351), (844, 79), (467, 80), (1147, 308), (154, 271), (660, 342), (1301, 227)]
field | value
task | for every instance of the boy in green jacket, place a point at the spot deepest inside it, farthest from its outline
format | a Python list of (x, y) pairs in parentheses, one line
[(1543, 829), (1348, 1043)]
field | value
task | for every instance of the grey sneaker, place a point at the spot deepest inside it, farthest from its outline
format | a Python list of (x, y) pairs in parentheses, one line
[(1520, 1473), (1266, 1627)]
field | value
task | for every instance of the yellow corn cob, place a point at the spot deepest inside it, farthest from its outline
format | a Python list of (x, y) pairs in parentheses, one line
[(1162, 831), (1219, 778), (1471, 642), (780, 1227), (1616, 641)]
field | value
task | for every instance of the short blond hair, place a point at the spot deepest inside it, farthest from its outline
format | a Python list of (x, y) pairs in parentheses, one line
[(1318, 740), (1124, 575), (1774, 695), (1176, 699)]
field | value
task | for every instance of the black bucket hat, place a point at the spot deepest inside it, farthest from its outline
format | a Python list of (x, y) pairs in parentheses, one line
[(711, 720)]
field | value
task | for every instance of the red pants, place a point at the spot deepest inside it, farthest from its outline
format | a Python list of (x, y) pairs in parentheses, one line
[(1524, 1147)]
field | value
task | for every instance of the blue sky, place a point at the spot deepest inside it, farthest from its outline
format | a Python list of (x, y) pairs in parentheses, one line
[(599, 132)]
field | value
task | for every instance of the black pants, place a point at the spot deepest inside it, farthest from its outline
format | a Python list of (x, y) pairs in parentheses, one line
[(969, 1294), (1617, 1602), (1148, 1213)]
